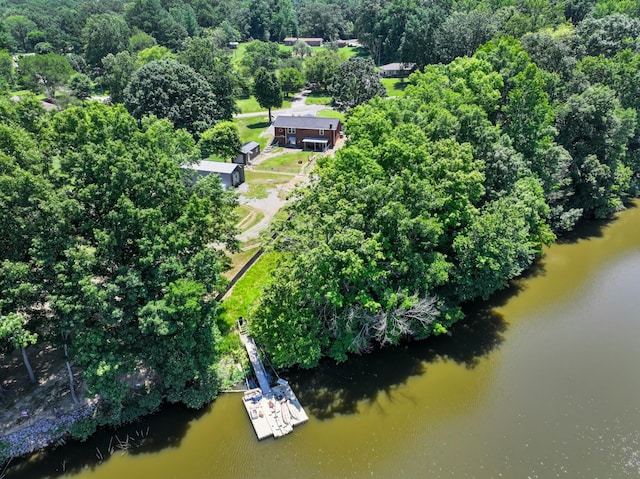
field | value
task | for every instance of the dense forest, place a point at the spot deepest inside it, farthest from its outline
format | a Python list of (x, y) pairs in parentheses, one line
[(520, 120)]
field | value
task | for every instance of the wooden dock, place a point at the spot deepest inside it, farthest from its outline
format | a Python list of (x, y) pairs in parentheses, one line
[(273, 410)]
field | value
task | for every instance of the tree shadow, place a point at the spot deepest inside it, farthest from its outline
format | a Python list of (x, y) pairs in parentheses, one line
[(150, 434), (336, 389), (361, 52), (589, 228), (401, 85), (260, 125)]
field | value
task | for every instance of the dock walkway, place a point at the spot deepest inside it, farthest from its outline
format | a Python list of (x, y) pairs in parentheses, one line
[(273, 411)]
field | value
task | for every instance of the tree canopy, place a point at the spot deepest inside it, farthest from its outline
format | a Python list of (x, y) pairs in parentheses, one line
[(117, 241), (168, 89)]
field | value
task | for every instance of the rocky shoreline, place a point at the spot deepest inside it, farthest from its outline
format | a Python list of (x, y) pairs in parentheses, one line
[(41, 433)]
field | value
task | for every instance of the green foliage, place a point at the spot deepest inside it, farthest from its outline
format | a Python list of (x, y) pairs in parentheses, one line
[(608, 35), (355, 82), (153, 54), (595, 130), (44, 72), (222, 140), (168, 89), (18, 27), (301, 49), (267, 89), (140, 40), (152, 18), (320, 68), (83, 428), (117, 70), (291, 79), (117, 240), (203, 56), (81, 86), (258, 54), (104, 34)]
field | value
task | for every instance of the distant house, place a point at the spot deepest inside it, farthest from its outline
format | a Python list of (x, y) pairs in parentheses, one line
[(307, 132), (312, 42), (349, 42), (247, 153), (396, 70), (231, 174)]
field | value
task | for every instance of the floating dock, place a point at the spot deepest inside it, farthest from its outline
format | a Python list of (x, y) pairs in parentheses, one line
[(273, 410)]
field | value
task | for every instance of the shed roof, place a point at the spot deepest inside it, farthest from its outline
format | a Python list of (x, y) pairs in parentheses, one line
[(214, 167), (248, 147), (306, 122)]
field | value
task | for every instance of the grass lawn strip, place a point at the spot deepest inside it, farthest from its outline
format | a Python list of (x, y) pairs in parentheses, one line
[(246, 292)]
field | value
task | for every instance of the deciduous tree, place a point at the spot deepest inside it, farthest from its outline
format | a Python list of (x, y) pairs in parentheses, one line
[(222, 140), (356, 81), (267, 90), (168, 89)]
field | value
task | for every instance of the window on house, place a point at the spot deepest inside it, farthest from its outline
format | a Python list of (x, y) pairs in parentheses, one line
[(291, 130), (320, 132)]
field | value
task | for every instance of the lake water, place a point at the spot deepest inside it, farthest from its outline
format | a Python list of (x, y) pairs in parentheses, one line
[(542, 382)]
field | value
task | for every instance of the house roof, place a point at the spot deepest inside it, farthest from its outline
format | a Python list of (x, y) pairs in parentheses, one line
[(214, 167), (248, 147), (397, 66), (306, 122), (293, 39)]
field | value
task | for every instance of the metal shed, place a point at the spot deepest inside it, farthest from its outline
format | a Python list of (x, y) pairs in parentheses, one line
[(231, 174), (248, 152)]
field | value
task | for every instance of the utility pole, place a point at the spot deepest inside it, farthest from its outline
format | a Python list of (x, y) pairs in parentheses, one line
[(379, 48)]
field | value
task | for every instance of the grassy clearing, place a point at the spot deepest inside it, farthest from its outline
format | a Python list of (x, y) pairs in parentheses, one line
[(318, 98), (394, 86), (348, 52), (332, 114), (260, 183), (251, 128), (251, 105), (244, 296), (286, 163)]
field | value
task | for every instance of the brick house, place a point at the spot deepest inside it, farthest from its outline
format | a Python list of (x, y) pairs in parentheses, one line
[(307, 132)]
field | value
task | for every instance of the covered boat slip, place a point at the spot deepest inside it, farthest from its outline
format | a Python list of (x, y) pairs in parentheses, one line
[(315, 144)]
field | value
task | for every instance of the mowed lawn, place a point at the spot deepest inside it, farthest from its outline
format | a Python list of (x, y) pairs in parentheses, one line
[(251, 128), (250, 105), (394, 86), (246, 292), (332, 114), (285, 163)]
